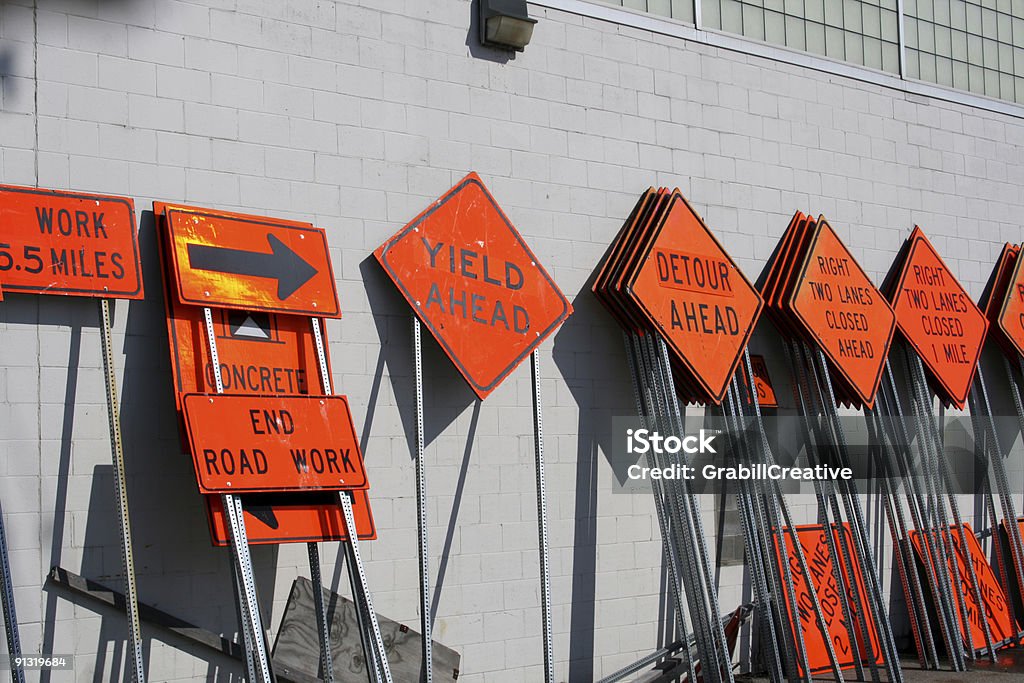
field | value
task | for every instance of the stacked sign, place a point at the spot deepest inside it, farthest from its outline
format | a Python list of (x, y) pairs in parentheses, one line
[(264, 348), (666, 274), (245, 299), (816, 292)]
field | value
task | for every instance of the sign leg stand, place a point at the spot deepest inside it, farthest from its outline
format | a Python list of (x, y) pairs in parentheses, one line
[(234, 516), (426, 625), (121, 487), (542, 521), (363, 594), (326, 661), (10, 615)]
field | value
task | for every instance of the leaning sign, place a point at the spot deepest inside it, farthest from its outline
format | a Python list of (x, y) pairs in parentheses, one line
[(71, 243), (471, 279)]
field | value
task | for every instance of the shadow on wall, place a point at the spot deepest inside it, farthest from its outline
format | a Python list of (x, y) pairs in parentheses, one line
[(592, 363)]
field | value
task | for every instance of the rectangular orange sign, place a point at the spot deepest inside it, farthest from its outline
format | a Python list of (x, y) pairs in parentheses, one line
[(821, 565), (273, 443), (68, 243), (297, 517), (997, 611), (252, 263), (766, 397)]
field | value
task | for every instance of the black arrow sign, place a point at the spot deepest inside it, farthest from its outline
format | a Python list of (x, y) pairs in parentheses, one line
[(282, 264)]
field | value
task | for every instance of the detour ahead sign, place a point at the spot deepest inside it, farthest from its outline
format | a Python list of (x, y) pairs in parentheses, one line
[(68, 243), (471, 279), (273, 443)]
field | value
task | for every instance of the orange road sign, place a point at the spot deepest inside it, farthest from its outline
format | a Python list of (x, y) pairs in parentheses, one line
[(997, 610), (245, 443), (308, 517), (839, 307), (254, 263), (69, 243), (938, 318), (469, 276), (820, 564), (694, 295), (1011, 314), (766, 397)]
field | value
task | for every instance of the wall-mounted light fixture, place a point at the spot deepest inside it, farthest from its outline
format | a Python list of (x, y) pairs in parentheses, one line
[(505, 24)]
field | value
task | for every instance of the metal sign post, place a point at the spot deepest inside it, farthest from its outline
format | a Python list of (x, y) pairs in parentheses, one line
[(426, 623), (542, 521), (121, 491), (252, 623), (375, 652), (10, 614)]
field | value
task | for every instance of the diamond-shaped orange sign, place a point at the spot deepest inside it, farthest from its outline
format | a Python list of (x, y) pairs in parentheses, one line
[(1011, 315), (841, 309), (938, 318), (471, 279), (693, 293)]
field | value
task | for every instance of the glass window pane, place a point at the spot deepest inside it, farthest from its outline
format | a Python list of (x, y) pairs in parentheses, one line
[(732, 16), (775, 27), (854, 47), (815, 38), (795, 33), (753, 22), (872, 21), (960, 75), (959, 45), (873, 53), (942, 12), (891, 57), (794, 7), (1018, 32), (926, 36), (683, 10), (943, 41), (944, 71), (991, 54), (890, 26), (927, 67), (910, 31), (991, 83), (711, 13), (662, 7), (925, 10), (834, 13), (958, 14), (815, 10), (1018, 61), (973, 19), (852, 15), (774, 5), (988, 23), (1006, 86), (1019, 90), (913, 64), (835, 43)]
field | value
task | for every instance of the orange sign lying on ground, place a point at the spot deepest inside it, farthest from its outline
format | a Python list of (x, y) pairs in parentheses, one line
[(938, 318), (68, 243), (253, 263), (691, 291), (997, 611), (311, 517), (273, 443), (839, 307), (471, 279), (1011, 315), (820, 564)]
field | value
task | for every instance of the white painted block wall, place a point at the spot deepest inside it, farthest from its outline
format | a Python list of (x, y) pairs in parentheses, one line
[(356, 115)]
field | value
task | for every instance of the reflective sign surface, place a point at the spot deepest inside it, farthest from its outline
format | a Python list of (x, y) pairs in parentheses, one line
[(469, 276), (68, 243)]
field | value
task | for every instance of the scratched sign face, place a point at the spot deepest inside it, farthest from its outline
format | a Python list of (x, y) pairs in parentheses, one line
[(68, 243), (471, 279), (823, 576), (250, 262)]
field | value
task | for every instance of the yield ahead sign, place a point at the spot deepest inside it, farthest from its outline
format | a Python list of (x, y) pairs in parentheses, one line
[(246, 443), (252, 263)]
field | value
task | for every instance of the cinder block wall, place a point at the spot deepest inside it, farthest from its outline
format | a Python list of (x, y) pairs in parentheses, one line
[(355, 115)]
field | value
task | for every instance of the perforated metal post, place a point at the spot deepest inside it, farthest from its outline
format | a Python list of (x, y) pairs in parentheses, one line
[(10, 614), (121, 491), (240, 543), (312, 549), (375, 653), (542, 521), (426, 625)]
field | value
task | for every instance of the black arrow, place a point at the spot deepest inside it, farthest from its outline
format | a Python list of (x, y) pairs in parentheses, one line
[(281, 264)]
